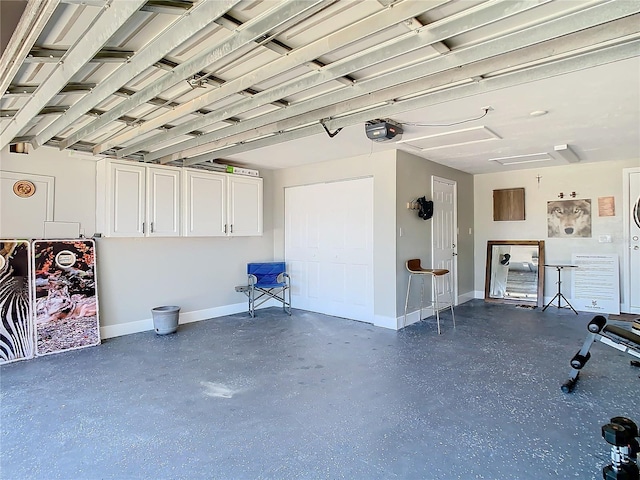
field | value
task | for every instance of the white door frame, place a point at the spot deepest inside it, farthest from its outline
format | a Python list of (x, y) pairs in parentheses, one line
[(454, 262), (626, 214)]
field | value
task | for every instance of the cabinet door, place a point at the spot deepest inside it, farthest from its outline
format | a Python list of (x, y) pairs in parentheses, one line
[(205, 206), (163, 219), (245, 206), (126, 200)]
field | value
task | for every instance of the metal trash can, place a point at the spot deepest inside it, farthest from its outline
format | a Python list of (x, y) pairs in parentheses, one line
[(165, 319)]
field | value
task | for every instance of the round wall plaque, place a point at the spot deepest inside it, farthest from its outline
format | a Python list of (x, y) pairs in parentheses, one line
[(24, 188)]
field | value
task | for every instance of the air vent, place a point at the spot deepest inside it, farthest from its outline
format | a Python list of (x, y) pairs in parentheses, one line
[(452, 139), (518, 159)]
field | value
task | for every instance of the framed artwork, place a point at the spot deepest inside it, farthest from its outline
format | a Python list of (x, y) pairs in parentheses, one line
[(606, 207), (508, 204), (66, 297), (569, 218), (16, 326)]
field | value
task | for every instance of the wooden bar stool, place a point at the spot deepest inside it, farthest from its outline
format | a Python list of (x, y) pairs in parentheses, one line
[(414, 268)]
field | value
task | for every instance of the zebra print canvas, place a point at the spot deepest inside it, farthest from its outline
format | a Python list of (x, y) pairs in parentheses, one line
[(16, 330), (66, 298)]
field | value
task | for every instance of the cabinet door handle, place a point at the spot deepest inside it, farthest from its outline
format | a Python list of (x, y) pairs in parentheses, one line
[(232, 228), (151, 227), (225, 228), (143, 227)]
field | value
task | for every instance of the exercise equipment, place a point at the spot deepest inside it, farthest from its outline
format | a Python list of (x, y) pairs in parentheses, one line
[(266, 281), (621, 433), (616, 337)]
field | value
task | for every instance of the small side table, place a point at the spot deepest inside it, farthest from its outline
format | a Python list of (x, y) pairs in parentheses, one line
[(559, 295)]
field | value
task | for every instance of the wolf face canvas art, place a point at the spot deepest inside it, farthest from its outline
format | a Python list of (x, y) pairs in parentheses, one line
[(569, 218)]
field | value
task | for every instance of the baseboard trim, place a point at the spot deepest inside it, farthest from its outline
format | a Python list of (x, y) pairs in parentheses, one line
[(465, 297), (110, 331)]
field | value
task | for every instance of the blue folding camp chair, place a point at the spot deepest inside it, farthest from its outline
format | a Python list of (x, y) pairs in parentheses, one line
[(268, 280)]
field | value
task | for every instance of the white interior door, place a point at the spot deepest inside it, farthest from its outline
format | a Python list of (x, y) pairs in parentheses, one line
[(632, 224), (444, 232), (329, 247)]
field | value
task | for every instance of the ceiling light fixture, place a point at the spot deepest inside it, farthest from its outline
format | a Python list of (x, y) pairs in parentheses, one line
[(566, 153), (538, 113)]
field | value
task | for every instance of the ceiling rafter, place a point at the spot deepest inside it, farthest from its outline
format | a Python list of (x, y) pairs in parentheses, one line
[(422, 77), (26, 90), (34, 19), (53, 110), (472, 18), (560, 67), (161, 102), (172, 7), (547, 50), (169, 65), (53, 55), (277, 46), (374, 23), (249, 31), (106, 23), (199, 17)]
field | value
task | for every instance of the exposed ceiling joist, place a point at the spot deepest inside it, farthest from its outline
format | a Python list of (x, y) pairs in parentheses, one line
[(172, 7), (54, 110), (34, 19), (381, 20), (275, 45), (199, 17), (560, 67), (472, 18), (249, 31), (106, 24), (385, 88), (199, 93), (26, 90), (53, 55)]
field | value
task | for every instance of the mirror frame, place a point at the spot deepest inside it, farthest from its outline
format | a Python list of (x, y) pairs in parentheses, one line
[(539, 302)]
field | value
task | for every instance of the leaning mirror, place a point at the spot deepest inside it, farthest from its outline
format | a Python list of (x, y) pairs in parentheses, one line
[(515, 272)]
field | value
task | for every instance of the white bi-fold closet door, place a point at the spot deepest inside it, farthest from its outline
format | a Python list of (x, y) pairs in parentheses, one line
[(329, 247)]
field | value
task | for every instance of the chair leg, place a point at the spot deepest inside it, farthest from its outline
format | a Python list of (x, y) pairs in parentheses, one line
[(406, 302), (434, 288), (421, 298), (453, 316)]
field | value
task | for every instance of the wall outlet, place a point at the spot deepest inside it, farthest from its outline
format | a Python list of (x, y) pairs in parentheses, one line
[(604, 239)]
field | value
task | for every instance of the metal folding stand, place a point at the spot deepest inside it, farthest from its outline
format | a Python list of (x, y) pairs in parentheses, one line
[(559, 295)]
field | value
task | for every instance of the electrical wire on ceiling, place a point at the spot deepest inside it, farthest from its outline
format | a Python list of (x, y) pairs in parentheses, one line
[(486, 112)]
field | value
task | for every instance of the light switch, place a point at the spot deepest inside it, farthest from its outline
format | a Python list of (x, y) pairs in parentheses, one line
[(604, 239)]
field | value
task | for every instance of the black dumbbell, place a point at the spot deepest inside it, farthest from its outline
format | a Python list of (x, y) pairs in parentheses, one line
[(620, 434)]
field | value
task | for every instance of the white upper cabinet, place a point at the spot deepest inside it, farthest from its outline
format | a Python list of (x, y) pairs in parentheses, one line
[(137, 201), (219, 204), (245, 206), (204, 204), (163, 206)]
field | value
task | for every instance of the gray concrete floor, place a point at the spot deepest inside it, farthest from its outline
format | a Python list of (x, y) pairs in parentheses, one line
[(317, 397)]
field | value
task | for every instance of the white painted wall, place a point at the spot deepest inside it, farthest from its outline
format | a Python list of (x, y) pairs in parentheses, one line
[(591, 180), (75, 178), (137, 274)]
